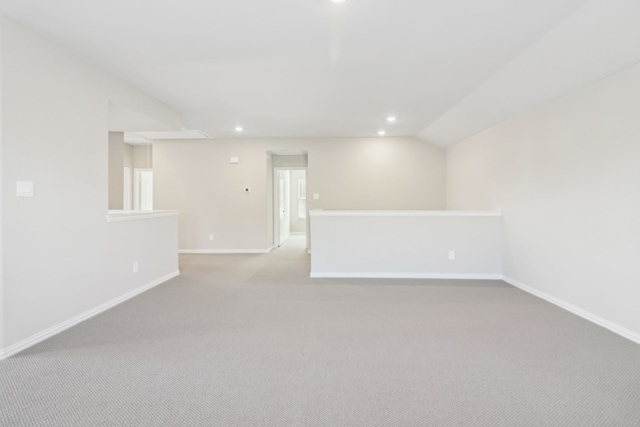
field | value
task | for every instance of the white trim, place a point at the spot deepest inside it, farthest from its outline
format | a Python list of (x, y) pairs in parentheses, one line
[(225, 251), (407, 276), (298, 233), (613, 327), (136, 186), (54, 330), (320, 212), (117, 216), (276, 195)]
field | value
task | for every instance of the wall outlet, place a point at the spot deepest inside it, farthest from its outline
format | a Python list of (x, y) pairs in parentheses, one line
[(452, 255), (135, 267), (211, 236)]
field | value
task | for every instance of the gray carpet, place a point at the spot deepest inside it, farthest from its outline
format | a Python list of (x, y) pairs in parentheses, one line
[(251, 340)]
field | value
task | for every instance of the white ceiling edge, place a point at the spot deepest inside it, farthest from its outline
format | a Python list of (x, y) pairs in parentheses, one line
[(132, 138), (144, 137), (181, 134), (599, 39)]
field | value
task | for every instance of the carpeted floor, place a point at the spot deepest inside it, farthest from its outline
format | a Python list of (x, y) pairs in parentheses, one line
[(251, 340)]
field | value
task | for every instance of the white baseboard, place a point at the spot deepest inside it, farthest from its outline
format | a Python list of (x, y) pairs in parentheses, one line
[(613, 327), (225, 251), (47, 333), (406, 276)]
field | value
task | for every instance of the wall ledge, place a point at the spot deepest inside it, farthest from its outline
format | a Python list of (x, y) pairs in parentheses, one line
[(117, 216), (320, 212)]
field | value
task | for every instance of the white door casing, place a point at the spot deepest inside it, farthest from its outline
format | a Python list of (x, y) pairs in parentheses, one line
[(143, 189)]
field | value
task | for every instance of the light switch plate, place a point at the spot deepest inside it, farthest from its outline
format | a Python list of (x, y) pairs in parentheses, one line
[(24, 188), (316, 196), (234, 160)]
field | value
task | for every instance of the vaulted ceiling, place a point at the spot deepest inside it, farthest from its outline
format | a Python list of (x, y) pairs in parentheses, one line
[(446, 69)]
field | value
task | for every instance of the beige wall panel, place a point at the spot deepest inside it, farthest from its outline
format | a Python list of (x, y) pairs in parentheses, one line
[(197, 178)]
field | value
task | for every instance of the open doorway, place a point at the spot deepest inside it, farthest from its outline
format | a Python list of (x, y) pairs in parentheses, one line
[(290, 206)]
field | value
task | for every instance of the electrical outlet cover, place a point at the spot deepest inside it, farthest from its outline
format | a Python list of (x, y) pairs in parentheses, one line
[(24, 188)]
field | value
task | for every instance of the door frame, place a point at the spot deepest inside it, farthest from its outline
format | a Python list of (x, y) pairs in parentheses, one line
[(276, 200), (136, 186)]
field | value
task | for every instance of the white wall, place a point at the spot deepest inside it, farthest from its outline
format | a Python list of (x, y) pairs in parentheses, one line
[(61, 258), (116, 167), (128, 155), (143, 156), (196, 178), (406, 244), (290, 160), (2, 311), (567, 178)]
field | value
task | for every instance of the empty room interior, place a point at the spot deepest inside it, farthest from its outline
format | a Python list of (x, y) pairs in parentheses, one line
[(320, 213)]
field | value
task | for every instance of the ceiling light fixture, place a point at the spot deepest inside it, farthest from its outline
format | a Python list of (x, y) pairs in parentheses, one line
[(391, 119), (337, 1), (239, 129), (382, 133)]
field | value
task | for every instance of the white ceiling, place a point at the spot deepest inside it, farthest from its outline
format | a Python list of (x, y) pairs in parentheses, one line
[(310, 68)]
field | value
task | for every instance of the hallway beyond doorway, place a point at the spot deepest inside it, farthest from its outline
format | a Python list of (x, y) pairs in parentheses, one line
[(289, 203), (295, 242)]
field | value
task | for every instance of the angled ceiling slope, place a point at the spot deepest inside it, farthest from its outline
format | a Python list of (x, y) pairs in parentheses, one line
[(310, 68), (600, 38)]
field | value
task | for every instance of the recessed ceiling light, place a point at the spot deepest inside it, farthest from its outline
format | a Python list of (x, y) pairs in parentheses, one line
[(239, 129), (382, 133), (337, 1), (391, 119)]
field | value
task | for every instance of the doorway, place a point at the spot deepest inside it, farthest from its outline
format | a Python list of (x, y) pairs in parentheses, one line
[(290, 205)]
